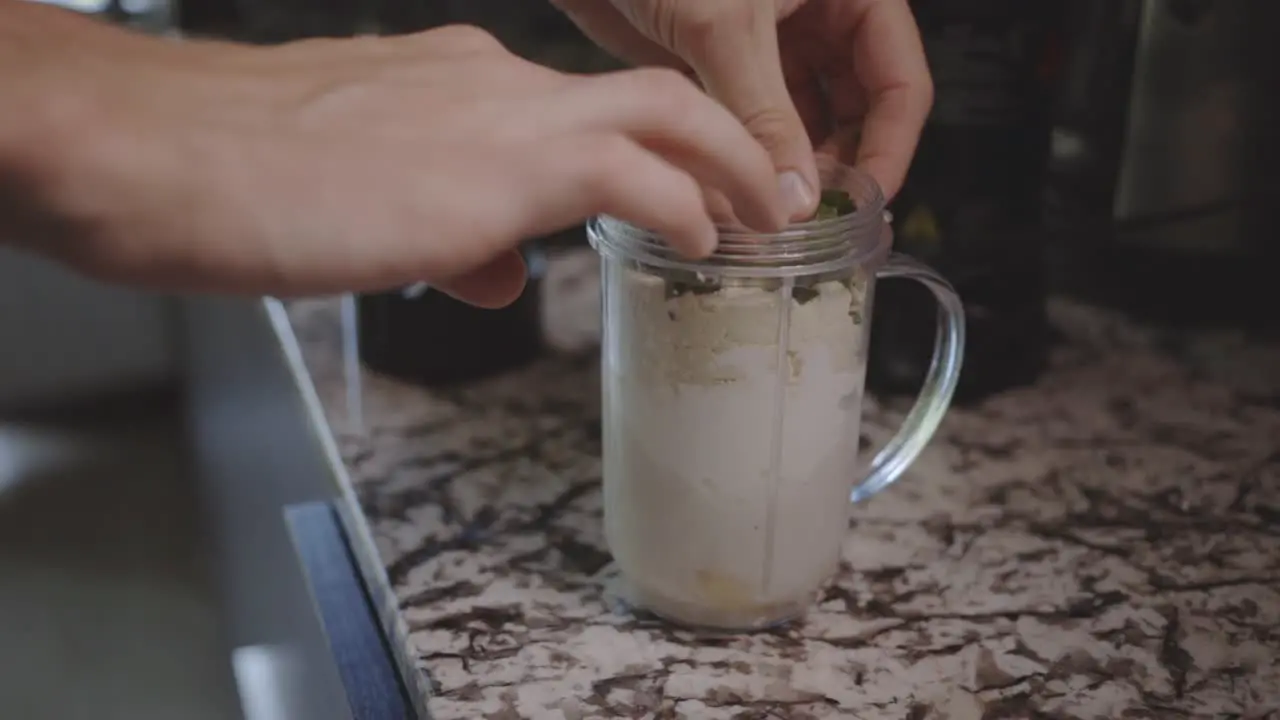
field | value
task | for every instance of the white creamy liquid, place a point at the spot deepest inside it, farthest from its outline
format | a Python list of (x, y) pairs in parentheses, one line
[(727, 484)]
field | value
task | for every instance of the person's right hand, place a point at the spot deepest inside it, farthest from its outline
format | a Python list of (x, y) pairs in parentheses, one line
[(364, 164), (846, 76)]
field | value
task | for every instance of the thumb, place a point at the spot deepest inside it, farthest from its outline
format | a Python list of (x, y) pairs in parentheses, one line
[(733, 47)]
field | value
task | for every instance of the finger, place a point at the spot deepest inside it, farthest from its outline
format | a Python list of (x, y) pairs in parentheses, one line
[(719, 208), (843, 144), (573, 178), (666, 113), (890, 64), (808, 96), (733, 46), (605, 26), (495, 284)]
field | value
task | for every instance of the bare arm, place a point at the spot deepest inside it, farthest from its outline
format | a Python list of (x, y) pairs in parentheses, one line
[(55, 69), (30, 37), (332, 165)]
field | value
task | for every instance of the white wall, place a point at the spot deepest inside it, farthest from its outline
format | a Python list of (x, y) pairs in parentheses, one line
[(63, 336)]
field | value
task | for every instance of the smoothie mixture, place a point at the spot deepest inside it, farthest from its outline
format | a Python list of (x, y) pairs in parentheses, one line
[(731, 441)]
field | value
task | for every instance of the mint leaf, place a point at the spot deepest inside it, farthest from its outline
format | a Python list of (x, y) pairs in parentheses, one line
[(834, 204)]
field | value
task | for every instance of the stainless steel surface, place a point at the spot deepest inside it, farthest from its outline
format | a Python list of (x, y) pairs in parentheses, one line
[(106, 609), (1199, 161), (63, 337), (257, 453)]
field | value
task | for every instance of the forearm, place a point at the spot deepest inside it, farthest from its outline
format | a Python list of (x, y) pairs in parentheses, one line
[(118, 138), (47, 62)]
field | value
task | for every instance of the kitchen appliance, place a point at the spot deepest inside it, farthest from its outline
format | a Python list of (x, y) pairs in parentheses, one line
[(1166, 156), (1200, 163)]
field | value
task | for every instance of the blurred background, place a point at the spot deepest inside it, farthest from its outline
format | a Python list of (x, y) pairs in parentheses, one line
[(1124, 152)]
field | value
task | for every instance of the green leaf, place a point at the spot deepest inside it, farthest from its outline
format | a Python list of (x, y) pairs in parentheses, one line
[(834, 204), (803, 295)]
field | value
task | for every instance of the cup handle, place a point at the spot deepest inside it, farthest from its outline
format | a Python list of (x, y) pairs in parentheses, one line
[(939, 383)]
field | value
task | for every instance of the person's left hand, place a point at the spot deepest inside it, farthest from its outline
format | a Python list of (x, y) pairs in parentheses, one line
[(336, 165), (846, 76)]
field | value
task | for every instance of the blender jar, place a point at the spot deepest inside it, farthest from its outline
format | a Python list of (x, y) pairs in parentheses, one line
[(732, 390)]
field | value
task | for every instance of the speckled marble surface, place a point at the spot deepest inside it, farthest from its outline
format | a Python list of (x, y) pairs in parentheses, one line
[(1103, 545)]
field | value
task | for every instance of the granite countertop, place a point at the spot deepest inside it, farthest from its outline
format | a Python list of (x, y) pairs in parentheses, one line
[(1105, 544)]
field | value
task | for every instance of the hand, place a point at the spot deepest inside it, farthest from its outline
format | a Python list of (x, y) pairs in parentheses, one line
[(848, 77), (363, 164)]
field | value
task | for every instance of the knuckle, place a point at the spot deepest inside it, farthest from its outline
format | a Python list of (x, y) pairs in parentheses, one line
[(771, 125), (694, 24)]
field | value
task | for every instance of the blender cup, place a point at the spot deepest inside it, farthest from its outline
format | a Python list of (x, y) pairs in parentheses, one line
[(732, 391)]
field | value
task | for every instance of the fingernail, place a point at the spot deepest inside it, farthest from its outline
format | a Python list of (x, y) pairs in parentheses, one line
[(797, 196)]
